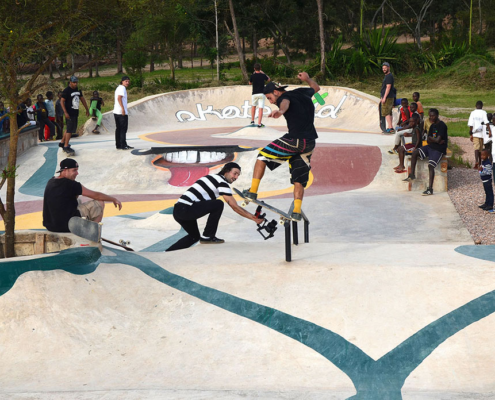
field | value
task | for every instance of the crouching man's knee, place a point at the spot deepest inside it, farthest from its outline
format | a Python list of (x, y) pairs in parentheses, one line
[(92, 210)]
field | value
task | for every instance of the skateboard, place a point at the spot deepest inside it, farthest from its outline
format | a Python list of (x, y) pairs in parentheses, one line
[(91, 230), (85, 228), (284, 217)]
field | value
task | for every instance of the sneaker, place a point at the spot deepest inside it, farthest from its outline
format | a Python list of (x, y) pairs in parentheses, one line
[(95, 131), (393, 151), (261, 126), (389, 131), (491, 211), (68, 150), (483, 206), (213, 240), (296, 216), (251, 123), (249, 195), (60, 144), (127, 148), (410, 178), (428, 192)]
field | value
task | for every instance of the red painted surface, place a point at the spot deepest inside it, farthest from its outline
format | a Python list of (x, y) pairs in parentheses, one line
[(187, 176)]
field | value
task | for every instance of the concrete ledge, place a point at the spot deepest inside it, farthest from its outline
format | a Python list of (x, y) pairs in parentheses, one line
[(440, 184), (28, 138)]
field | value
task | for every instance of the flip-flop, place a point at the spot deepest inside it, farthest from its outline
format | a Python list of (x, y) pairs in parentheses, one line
[(400, 171)]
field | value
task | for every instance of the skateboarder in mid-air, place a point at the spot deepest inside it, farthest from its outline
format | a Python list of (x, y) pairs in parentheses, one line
[(60, 201), (202, 199), (297, 146)]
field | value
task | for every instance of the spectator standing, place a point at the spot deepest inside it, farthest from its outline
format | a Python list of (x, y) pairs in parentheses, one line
[(257, 80), (30, 111), (478, 125), (387, 95), (121, 115), (71, 97), (50, 108), (59, 116), (486, 171), (42, 118), (488, 140)]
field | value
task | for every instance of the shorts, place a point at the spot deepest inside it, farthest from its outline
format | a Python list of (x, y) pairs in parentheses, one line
[(258, 100), (71, 124), (434, 156), (478, 143), (387, 107), (90, 210), (296, 151)]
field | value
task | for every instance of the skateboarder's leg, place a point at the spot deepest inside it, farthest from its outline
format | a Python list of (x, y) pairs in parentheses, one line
[(215, 210), (258, 173), (189, 224), (92, 210), (253, 112), (298, 197)]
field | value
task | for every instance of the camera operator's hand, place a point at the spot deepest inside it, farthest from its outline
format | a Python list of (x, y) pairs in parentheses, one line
[(258, 220)]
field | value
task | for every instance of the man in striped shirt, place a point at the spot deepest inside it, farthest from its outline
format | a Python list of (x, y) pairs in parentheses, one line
[(202, 199)]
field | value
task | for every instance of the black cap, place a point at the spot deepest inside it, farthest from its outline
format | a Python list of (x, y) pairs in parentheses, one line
[(68, 163), (125, 78), (386, 64), (74, 79), (270, 87)]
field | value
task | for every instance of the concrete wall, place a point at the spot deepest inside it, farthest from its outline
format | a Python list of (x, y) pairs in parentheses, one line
[(27, 139)]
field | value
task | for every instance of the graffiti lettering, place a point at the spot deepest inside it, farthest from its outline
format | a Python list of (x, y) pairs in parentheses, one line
[(232, 112)]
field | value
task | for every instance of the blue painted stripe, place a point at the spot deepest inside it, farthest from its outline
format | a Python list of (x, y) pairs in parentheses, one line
[(35, 185)]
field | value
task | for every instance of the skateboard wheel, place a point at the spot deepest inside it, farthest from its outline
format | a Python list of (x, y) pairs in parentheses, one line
[(243, 204), (281, 222)]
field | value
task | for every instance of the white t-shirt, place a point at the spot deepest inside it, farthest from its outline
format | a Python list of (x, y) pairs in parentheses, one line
[(120, 91), (475, 119)]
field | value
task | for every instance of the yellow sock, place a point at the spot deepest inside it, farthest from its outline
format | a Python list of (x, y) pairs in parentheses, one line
[(255, 185), (297, 206)]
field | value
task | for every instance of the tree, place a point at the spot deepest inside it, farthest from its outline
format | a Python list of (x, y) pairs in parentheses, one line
[(322, 38), (50, 31), (237, 42)]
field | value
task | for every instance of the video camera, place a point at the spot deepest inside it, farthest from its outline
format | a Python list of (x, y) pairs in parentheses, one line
[(269, 227)]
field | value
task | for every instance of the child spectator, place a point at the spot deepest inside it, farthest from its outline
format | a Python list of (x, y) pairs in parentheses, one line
[(42, 117), (405, 129), (59, 116), (408, 148), (478, 125), (485, 170), (421, 112), (405, 111), (95, 109), (4, 123), (50, 108), (30, 110)]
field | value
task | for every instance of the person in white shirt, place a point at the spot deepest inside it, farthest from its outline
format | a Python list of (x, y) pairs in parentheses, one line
[(478, 130), (121, 115)]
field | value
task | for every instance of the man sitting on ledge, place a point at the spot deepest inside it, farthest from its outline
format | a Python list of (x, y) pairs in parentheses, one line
[(61, 203), (435, 150)]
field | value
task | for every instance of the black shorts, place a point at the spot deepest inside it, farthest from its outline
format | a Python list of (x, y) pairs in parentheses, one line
[(296, 151), (71, 124), (434, 156)]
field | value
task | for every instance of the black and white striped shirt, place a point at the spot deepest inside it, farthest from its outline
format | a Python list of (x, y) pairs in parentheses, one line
[(209, 187)]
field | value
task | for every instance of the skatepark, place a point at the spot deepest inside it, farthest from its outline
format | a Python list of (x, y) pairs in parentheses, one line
[(390, 299)]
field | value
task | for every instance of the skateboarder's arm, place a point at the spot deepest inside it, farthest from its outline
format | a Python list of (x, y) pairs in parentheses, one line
[(62, 103), (305, 78), (239, 210), (100, 196), (284, 106)]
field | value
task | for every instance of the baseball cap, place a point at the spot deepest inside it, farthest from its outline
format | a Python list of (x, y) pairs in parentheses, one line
[(68, 163), (270, 87), (125, 78), (386, 64), (74, 78)]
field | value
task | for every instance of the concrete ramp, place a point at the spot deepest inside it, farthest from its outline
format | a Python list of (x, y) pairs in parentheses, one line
[(389, 299)]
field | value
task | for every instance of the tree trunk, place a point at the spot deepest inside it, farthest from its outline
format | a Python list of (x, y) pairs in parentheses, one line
[(192, 55), (119, 53), (90, 67), (275, 49), (481, 21), (152, 59), (238, 42), (73, 63), (322, 38), (255, 46), (180, 56), (50, 70), (172, 67)]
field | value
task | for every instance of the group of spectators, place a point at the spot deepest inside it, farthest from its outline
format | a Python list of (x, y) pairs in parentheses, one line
[(415, 135)]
